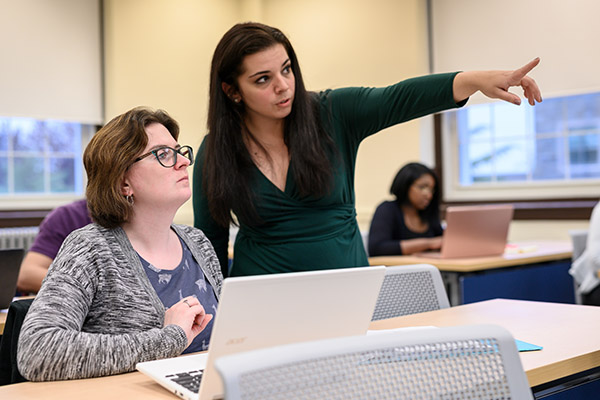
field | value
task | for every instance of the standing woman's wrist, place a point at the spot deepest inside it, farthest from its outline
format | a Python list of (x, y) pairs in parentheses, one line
[(465, 84)]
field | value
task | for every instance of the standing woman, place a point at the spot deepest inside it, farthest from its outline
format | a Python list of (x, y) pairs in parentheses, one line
[(411, 223), (101, 308), (282, 159)]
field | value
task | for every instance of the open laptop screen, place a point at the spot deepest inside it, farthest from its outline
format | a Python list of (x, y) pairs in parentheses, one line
[(474, 231), (268, 310)]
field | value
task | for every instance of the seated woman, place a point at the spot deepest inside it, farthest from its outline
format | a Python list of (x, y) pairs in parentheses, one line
[(411, 223), (131, 286)]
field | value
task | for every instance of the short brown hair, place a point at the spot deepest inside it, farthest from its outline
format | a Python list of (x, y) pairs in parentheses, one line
[(110, 153)]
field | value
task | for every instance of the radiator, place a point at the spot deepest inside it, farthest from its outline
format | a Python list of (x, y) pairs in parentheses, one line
[(17, 238)]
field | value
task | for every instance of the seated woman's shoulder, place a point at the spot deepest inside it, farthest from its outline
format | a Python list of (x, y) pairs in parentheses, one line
[(88, 231), (190, 230), (388, 206)]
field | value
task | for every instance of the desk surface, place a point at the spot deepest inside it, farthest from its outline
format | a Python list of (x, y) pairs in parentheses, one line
[(524, 253), (568, 333)]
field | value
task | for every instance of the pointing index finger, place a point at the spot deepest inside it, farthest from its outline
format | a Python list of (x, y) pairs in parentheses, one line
[(524, 70)]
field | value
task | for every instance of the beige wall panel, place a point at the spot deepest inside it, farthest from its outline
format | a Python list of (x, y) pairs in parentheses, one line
[(544, 230), (360, 43), (158, 53)]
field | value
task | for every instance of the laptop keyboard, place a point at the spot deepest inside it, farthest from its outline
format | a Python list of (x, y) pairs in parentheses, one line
[(189, 380)]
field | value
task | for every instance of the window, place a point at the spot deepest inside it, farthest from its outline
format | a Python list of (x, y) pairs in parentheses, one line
[(551, 150), (39, 158)]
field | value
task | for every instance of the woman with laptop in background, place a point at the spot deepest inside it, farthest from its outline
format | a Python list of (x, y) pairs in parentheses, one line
[(131, 286), (411, 223), (282, 159)]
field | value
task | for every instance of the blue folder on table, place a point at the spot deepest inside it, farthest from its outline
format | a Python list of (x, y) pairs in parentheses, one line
[(524, 346)]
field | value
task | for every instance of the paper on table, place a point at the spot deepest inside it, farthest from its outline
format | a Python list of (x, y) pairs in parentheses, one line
[(519, 249)]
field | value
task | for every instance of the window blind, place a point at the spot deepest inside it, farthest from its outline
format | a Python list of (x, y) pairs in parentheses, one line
[(51, 65)]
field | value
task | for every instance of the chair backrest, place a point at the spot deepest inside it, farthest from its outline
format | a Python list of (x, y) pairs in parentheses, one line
[(410, 289), (9, 373), (365, 239), (579, 241), (10, 265), (466, 362)]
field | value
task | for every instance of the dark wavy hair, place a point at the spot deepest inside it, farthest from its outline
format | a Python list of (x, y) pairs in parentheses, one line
[(110, 153), (227, 169), (404, 179)]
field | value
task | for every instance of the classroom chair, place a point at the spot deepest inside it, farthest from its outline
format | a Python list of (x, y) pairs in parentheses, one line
[(579, 242), (9, 373), (410, 289), (365, 240), (464, 362)]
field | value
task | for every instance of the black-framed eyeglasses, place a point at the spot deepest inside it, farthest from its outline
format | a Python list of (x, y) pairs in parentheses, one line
[(167, 156)]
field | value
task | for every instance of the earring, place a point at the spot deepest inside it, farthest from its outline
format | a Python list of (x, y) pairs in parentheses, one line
[(236, 100), (130, 200)]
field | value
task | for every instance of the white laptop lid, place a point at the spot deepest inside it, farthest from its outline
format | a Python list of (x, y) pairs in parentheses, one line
[(269, 310)]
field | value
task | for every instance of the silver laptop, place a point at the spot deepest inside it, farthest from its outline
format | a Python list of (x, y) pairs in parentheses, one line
[(474, 231), (10, 264), (269, 310)]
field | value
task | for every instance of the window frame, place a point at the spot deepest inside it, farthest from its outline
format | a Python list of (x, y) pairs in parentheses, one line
[(30, 209), (562, 207)]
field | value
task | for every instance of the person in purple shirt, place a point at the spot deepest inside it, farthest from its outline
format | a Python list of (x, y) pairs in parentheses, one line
[(53, 230)]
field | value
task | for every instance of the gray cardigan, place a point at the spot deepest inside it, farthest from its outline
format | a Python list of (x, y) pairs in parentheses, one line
[(97, 313)]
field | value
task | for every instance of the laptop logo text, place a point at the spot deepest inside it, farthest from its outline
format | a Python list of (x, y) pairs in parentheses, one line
[(233, 341)]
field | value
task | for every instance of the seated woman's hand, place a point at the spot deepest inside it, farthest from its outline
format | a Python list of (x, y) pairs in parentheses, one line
[(435, 243), (190, 315)]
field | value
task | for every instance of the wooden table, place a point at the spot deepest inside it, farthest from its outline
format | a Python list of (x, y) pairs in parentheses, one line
[(133, 385), (524, 253), (568, 333), (519, 255)]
